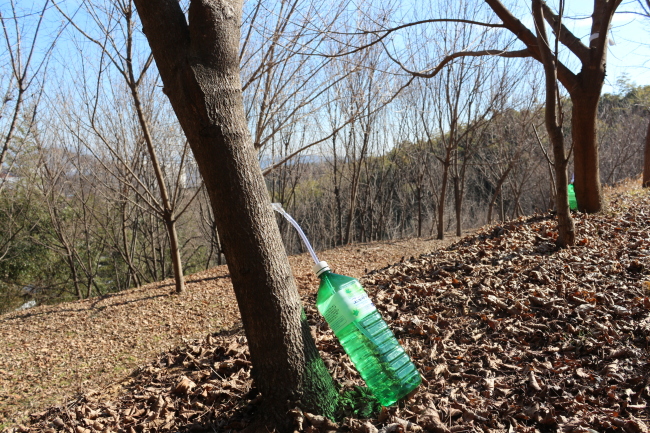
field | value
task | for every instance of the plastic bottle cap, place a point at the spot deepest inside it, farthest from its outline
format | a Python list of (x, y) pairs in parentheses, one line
[(320, 267)]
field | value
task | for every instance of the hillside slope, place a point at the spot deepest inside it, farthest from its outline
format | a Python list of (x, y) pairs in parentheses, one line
[(50, 353), (509, 333)]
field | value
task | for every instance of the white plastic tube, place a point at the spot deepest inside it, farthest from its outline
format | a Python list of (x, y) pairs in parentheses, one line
[(278, 208)]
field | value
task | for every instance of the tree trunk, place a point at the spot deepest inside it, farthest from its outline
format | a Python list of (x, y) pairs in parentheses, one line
[(354, 186), (337, 196), (458, 202), (75, 276), (495, 195), (339, 215), (585, 148), (353, 203), (419, 198), (646, 160), (565, 224), (133, 274), (175, 253), (199, 67), (443, 198)]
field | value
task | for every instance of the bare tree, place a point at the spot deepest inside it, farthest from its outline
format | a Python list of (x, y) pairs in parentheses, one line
[(584, 87), (199, 66), (120, 49), (622, 122), (27, 66), (24, 56), (459, 104), (65, 184), (507, 142), (414, 157), (281, 73), (357, 99), (361, 88), (553, 120), (287, 79)]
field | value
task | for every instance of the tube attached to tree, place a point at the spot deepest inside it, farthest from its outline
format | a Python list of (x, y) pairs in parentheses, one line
[(278, 208), (380, 359)]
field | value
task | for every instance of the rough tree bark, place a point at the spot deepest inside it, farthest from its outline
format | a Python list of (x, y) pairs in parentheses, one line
[(585, 143), (199, 66)]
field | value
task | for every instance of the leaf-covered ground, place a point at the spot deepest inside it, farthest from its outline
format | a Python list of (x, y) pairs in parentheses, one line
[(50, 353), (509, 333)]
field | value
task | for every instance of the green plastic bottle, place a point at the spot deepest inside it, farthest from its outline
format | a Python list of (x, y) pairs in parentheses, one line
[(381, 361), (573, 203)]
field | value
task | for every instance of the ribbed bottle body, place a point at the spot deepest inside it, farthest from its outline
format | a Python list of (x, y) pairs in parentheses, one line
[(380, 359)]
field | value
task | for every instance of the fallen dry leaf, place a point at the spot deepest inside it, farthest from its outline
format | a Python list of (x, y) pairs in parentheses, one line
[(534, 338)]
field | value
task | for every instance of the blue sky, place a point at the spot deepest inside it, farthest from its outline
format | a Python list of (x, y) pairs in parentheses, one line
[(630, 33), (631, 52)]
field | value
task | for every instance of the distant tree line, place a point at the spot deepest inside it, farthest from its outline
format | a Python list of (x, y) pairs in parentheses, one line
[(501, 172), (99, 191)]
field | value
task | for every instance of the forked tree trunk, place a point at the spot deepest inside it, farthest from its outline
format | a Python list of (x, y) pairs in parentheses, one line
[(646, 160), (583, 87), (499, 186), (169, 216), (199, 67), (133, 273)]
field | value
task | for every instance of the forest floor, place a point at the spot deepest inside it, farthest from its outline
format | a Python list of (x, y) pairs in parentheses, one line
[(510, 335), (49, 354)]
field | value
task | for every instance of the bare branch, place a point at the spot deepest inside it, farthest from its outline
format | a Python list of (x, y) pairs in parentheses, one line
[(449, 58), (334, 132), (566, 77), (196, 193), (565, 36), (20, 73), (118, 65), (387, 32), (176, 194), (541, 146), (144, 70)]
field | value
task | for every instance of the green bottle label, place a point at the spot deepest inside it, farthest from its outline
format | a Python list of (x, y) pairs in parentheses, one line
[(347, 305)]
